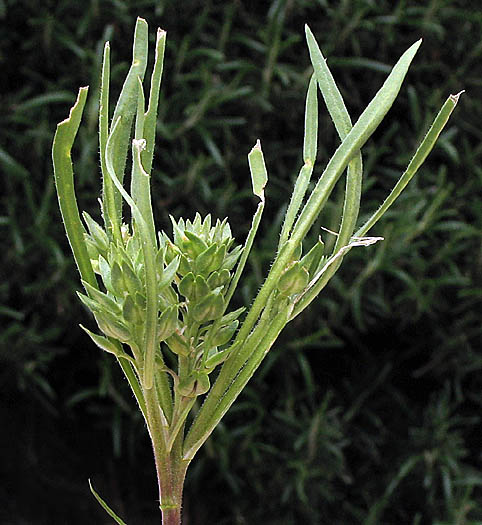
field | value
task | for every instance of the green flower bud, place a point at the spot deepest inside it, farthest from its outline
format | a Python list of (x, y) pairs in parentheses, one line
[(293, 280), (209, 308)]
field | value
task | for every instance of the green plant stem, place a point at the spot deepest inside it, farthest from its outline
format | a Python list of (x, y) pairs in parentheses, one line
[(171, 467)]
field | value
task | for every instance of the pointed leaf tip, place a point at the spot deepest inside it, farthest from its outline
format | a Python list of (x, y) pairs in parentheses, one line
[(455, 98)]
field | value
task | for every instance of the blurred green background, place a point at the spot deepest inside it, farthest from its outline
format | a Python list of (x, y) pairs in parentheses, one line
[(368, 408)]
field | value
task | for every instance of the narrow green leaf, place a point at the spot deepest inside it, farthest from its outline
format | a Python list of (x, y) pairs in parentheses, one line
[(342, 121), (310, 143), (151, 113), (106, 507), (101, 298), (359, 134), (331, 94), (111, 215), (127, 103), (420, 155), (64, 182), (96, 232), (105, 344), (257, 167)]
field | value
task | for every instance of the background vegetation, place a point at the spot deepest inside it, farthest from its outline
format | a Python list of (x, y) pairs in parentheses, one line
[(368, 409)]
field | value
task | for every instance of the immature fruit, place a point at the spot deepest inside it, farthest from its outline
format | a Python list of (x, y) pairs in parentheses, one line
[(293, 280)]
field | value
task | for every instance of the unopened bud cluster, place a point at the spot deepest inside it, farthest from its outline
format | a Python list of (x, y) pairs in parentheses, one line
[(194, 271)]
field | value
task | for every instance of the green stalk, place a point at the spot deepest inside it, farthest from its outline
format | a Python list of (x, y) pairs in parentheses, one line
[(197, 435)]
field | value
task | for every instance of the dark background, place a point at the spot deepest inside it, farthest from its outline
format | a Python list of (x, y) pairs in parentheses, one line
[(368, 408)]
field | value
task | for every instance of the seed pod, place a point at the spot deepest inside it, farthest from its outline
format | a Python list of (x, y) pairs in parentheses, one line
[(172, 251), (184, 266), (132, 282), (140, 300), (186, 386), (178, 344), (204, 262), (293, 280), (232, 257), (131, 312), (216, 359), (186, 286), (113, 327), (201, 289), (168, 273), (209, 308), (218, 259), (167, 323), (104, 301), (192, 244), (92, 248), (102, 342), (202, 384), (97, 233), (224, 334), (105, 272), (194, 385), (312, 259), (217, 279), (117, 280), (232, 315)]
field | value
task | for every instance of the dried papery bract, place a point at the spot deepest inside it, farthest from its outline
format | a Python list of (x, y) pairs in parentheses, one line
[(151, 294)]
